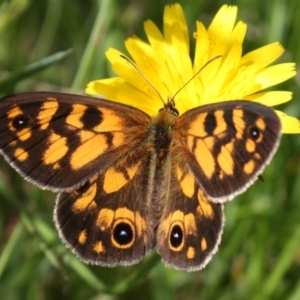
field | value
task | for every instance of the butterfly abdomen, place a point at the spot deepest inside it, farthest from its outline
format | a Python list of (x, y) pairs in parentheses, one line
[(161, 133)]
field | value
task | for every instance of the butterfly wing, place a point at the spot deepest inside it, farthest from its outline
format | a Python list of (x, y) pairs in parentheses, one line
[(91, 150), (58, 141), (190, 228), (227, 145), (218, 151), (106, 222)]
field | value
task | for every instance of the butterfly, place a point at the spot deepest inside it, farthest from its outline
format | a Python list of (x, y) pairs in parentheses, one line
[(129, 182)]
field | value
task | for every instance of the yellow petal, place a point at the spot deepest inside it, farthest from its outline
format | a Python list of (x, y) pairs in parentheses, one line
[(153, 33), (272, 98), (202, 47), (289, 124), (107, 88), (238, 33), (263, 56), (175, 26), (274, 75), (223, 23)]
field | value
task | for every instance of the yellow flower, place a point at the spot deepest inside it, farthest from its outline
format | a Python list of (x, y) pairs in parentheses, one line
[(166, 63)]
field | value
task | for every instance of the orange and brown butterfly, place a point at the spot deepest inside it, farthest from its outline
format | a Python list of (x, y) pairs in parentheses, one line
[(129, 182)]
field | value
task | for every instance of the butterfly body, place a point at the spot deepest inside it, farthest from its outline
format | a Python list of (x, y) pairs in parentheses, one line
[(129, 182)]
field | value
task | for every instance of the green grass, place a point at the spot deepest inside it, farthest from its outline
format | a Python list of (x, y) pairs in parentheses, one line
[(259, 257)]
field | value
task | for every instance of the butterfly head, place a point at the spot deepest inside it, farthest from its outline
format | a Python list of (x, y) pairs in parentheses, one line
[(170, 107)]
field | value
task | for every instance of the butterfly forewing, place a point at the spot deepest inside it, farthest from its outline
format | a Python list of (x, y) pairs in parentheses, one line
[(59, 141), (228, 144)]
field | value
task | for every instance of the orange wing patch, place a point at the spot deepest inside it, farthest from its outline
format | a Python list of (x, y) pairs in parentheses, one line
[(105, 219), (82, 237), (74, 118), (46, 113), (87, 152), (86, 201), (205, 158), (239, 123), (110, 123), (21, 155), (204, 207), (99, 247), (14, 112), (196, 127), (186, 181), (221, 123), (115, 179), (24, 134), (225, 158), (56, 150)]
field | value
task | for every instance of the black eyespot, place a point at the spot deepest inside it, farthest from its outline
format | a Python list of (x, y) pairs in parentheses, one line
[(254, 133), (176, 236), (123, 234), (20, 122)]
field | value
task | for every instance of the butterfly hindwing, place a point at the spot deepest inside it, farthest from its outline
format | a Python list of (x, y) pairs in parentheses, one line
[(106, 222), (191, 226), (58, 141), (228, 144)]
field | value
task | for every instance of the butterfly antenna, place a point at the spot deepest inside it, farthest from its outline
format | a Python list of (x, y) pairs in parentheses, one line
[(144, 77), (195, 75)]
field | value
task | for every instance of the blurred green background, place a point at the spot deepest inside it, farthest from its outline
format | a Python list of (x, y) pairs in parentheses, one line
[(259, 256)]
